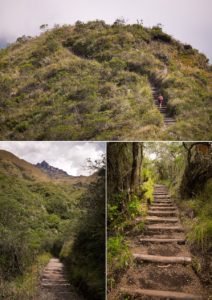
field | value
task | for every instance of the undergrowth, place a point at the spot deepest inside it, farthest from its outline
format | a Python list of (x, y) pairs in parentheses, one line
[(25, 287)]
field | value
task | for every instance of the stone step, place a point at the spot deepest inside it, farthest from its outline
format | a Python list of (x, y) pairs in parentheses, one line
[(163, 240), (169, 228), (158, 219), (159, 294), (162, 259)]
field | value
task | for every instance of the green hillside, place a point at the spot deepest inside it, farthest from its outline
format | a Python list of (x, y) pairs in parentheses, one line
[(95, 81), (38, 218)]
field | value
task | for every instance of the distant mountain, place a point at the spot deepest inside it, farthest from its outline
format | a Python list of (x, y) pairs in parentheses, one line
[(3, 43), (52, 171), (14, 166), (94, 81)]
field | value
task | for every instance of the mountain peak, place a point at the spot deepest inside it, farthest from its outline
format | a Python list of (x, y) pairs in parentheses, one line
[(51, 171)]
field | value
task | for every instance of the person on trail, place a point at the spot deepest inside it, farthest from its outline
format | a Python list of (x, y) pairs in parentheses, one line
[(160, 100)]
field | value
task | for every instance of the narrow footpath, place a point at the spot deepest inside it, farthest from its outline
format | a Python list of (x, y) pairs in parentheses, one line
[(162, 261), (54, 283), (168, 121)]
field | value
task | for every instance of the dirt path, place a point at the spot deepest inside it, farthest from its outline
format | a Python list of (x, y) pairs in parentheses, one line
[(162, 262), (168, 121), (54, 283)]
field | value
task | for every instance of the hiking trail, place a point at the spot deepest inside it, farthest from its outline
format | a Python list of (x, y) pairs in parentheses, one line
[(168, 121), (162, 262), (54, 283)]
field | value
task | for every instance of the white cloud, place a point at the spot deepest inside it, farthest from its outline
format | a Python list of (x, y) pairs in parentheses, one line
[(68, 156)]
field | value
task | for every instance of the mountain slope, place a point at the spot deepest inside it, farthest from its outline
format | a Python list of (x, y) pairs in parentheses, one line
[(37, 216), (94, 81)]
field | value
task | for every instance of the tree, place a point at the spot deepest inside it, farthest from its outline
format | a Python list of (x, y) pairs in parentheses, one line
[(198, 169), (43, 27)]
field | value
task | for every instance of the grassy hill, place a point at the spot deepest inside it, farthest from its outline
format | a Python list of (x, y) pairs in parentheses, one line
[(38, 218), (95, 81)]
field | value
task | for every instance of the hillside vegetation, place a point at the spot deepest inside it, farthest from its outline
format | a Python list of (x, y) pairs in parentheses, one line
[(94, 81), (38, 217)]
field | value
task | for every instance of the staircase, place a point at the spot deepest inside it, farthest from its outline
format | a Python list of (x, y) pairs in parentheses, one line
[(162, 262), (54, 283), (168, 121)]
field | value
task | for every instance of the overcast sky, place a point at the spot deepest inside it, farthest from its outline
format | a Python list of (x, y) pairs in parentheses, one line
[(187, 20), (68, 156)]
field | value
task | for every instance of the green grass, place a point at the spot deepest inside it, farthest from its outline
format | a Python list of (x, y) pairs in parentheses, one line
[(199, 219), (93, 81), (119, 257)]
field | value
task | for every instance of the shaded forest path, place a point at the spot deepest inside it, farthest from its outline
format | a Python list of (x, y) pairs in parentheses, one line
[(168, 121), (162, 262), (54, 283)]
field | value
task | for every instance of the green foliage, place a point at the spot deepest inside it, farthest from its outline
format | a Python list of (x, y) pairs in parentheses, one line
[(84, 251), (118, 254), (34, 218), (134, 207), (200, 228), (147, 186), (24, 287), (158, 34)]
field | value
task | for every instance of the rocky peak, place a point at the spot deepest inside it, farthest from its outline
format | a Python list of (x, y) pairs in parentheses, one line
[(50, 170)]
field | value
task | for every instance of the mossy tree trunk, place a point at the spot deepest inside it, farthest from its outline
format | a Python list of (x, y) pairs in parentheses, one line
[(124, 167), (137, 152), (198, 169)]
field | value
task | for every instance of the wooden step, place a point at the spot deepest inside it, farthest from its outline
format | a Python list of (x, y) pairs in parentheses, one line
[(160, 219), (156, 194), (159, 294), (163, 208), (54, 284), (162, 204), (162, 213), (160, 227), (162, 241), (162, 259)]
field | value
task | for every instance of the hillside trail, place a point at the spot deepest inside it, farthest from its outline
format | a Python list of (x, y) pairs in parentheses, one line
[(161, 266), (168, 121), (54, 284)]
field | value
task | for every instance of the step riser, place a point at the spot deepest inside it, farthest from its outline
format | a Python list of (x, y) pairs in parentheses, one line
[(162, 259), (154, 230), (162, 241), (162, 221), (138, 293), (161, 214), (157, 208)]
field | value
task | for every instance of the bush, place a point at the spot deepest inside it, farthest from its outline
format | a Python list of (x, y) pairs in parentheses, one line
[(119, 257)]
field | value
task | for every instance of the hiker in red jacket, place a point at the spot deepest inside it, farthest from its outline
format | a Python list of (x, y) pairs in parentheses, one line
[(160, 100)]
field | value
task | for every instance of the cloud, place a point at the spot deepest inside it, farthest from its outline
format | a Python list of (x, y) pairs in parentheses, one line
[(189, 21), (68, 156)]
